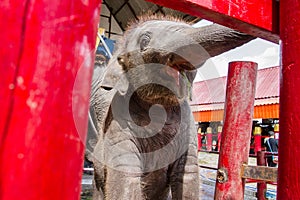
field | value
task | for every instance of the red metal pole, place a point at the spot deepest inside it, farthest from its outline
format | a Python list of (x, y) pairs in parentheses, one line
[(257, 139), (237, 129), (46, 56), (289, 140), (261, 186), (209, 139), (219, 137), (199, 139)]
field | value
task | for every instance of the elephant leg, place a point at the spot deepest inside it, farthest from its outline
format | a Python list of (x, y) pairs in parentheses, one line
[(151, 181), (97, 194), (98, 182), (123, 168), (185, 176), (122, 185), (118, 181)]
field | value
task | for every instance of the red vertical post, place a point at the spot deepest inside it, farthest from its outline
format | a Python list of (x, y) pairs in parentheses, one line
[(219, 137), (237, 128), (261, 186), (209, 139), (46, 56), (199, 139), (289, 140), (257, 139)]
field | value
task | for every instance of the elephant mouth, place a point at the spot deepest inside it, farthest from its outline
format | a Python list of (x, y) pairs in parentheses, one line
[(180, 64), (158, 94), (177, 70), (169, 86)]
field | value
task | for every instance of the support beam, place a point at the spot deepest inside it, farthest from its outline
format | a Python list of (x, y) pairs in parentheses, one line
[(109, 24), (132, 11), (121, 7), (239, 105), (47, 58), (262, 173), (114, 15), (289, 140), (255, 17)]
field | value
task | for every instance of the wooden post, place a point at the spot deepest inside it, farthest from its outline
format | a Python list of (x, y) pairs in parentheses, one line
[(289, 140), (219, 137), (261, 186), (257, 139), (47, 58), (199, 134), (237, 128), (209, 139)]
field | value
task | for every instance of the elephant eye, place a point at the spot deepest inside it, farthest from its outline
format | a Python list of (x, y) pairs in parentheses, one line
[(144, 40)]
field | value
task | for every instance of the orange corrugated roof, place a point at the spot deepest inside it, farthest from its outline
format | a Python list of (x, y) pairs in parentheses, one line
[(263, 111), (213, 91), (209, 97)]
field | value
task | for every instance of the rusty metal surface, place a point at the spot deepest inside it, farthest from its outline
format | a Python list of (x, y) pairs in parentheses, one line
[(222, 176), (263, 173)]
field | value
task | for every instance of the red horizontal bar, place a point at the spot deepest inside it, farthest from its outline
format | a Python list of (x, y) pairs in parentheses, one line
[(255, 17)]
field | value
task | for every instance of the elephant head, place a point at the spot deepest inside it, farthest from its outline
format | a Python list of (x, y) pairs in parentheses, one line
[(158, 58)]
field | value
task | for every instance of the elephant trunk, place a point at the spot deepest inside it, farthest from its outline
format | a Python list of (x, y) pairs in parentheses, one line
[(217, 39), (199, 44)]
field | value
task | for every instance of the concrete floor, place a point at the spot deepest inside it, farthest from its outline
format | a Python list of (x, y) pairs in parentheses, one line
[(207, 180), (208, 177)]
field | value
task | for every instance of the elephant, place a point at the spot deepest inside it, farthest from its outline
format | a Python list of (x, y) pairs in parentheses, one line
[(143, 143)]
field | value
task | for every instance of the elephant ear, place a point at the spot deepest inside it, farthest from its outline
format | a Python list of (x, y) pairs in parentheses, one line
[(93, 129), (92, 134), (100, 100)]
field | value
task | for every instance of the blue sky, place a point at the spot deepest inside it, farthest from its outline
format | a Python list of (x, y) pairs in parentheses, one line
[(265, 53)]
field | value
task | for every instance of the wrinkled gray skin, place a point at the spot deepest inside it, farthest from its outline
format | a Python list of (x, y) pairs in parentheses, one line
[(141, 151)]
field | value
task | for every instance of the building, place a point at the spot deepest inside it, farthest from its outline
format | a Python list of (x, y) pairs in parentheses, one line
[(208, 108), (209, 97)]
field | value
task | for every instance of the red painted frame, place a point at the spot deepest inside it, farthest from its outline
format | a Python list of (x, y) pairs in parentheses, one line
[(46, 57), (40, 151), (255, 17), (289, 140)]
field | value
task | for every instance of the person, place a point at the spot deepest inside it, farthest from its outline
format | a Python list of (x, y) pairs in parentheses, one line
[(272, 146)]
